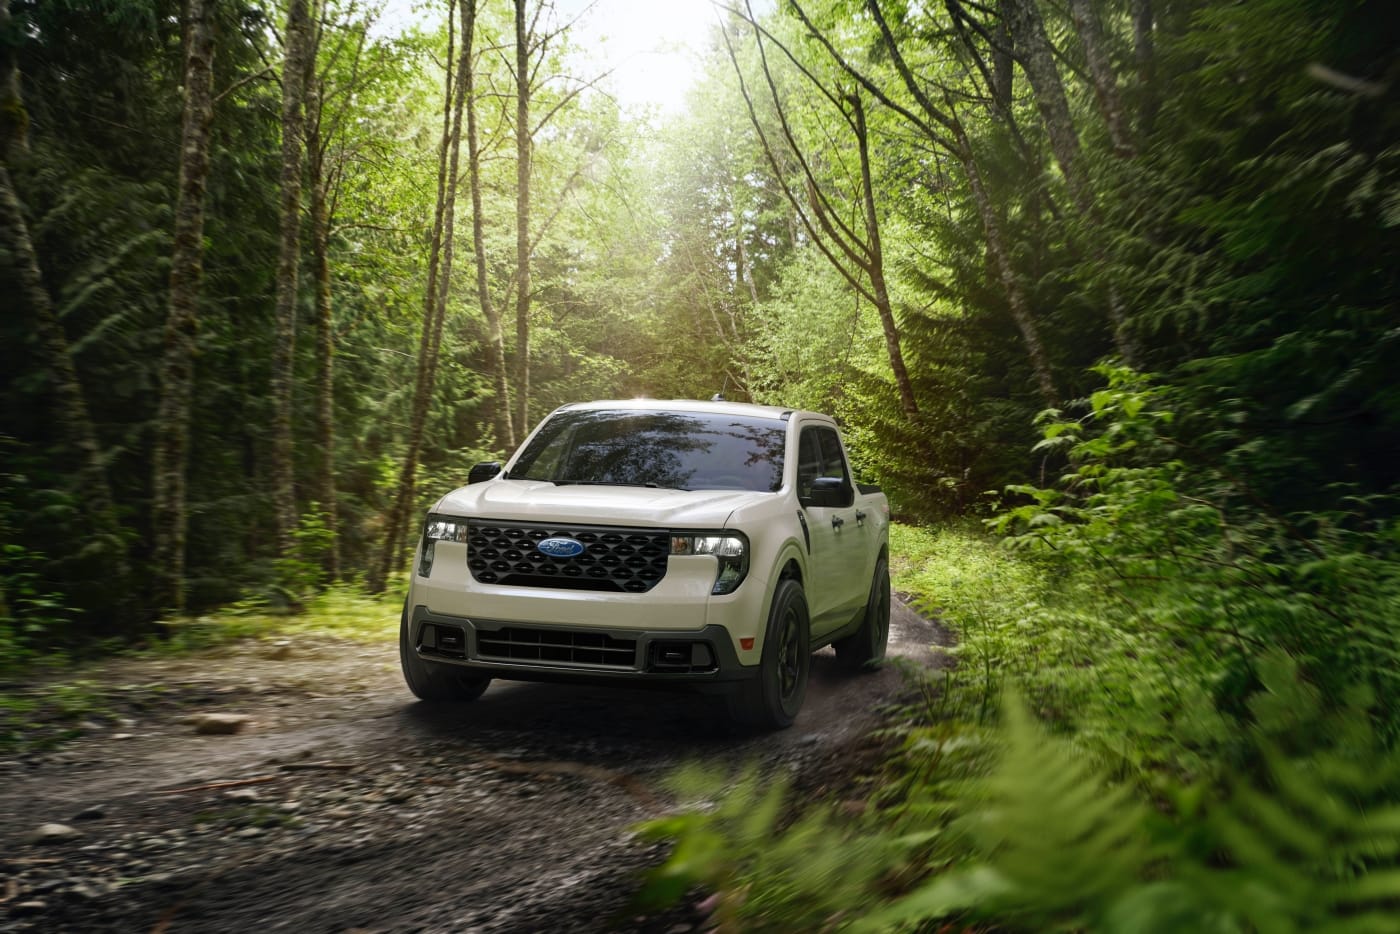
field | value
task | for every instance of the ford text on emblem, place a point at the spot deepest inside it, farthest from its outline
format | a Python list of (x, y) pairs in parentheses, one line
[(561, 547)]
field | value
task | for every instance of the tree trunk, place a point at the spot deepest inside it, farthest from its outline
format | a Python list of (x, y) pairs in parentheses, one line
[(435, 302), (325, 339), (523, 147), (171, 459), (1037, 57), (284, 350), (1000, 257), (1105, 82), (1146, 60), (865, 255), (503, 417), (399, 507), (1003, 64), (876, 267)]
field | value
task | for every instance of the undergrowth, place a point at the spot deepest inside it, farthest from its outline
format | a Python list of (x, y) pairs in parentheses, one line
[(1173, 708), (42, 707)]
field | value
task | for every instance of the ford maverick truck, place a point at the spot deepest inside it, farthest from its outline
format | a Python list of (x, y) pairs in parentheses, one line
[(709, 545)]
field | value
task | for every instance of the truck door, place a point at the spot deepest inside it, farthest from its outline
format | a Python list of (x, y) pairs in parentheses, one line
[(838, 558)]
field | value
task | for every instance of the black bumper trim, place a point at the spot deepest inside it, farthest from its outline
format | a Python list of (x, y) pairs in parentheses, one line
[(727, 668)]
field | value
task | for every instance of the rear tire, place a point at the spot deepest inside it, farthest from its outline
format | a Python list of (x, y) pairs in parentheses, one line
[(443, 683), (772, 700), (865, 648)]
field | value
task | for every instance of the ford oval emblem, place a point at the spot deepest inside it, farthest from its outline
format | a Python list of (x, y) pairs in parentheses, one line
[(561, 547)]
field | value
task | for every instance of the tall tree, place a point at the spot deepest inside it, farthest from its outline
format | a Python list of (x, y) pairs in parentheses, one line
[(943, 128), (339, 77), (524, 147), (70, 404), (1037, 56), (320, 182), (171, 458), (1105, 81), (861, 259), (297, 41), (503, 415), (1145, 57), (435, 303)]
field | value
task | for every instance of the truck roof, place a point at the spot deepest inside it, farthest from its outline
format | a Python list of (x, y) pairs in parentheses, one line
[(687, 405)]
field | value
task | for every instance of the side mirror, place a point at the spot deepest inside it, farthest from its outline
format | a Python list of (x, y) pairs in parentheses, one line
[(484, 471), (828, 493)]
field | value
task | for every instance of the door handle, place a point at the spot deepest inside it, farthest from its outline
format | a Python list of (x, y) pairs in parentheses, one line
[(860, 517), (837, 522)]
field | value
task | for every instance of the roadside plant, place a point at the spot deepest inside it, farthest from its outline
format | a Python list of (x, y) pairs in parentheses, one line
[(301, 572), (31, 610)]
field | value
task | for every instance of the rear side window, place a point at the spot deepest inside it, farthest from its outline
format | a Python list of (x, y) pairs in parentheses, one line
[(676, 450)]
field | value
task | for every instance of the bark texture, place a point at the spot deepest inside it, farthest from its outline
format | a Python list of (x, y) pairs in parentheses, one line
[(284, 350), (876, 264), (171, 459), (14, 119), (1000, 258), (325, 336), (500, 376), (1146, 59), (435, 312), (1105, 82), (1037, 57), (524, 146), (70, 403)]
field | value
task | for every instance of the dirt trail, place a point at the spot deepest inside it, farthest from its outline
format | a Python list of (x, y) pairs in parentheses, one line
[(344, 805)]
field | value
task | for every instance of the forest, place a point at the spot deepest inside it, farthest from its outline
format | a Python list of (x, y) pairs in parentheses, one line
[(1105, 294)]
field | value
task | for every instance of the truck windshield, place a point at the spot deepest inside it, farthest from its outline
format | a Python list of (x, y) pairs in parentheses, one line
[(676, 450)]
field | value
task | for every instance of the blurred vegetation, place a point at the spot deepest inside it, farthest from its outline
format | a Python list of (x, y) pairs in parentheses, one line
[(46, 699), (1139, 256), (1170, 709)]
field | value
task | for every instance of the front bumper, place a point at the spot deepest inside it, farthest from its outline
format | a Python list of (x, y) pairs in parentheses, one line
[(528, 651)]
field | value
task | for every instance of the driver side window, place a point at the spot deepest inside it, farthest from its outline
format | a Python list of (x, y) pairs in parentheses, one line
[(819, 455)]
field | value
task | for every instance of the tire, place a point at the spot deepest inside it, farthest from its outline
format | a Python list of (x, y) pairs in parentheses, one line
[(772, 700), (865, 648), (436, 683)]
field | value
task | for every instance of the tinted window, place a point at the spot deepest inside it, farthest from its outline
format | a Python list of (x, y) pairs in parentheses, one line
[(679, 450), (819, 455)]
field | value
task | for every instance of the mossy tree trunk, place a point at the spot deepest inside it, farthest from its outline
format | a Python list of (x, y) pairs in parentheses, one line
[(168, 483)]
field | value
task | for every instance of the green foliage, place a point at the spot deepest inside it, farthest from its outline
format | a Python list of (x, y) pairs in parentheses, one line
[(1202, 574), (31, 720), (770, 872), (341, 611), (33, 615), (1061, 845), (302, 571)]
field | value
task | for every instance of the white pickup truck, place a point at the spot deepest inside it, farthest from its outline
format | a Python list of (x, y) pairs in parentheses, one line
[(702, 544)]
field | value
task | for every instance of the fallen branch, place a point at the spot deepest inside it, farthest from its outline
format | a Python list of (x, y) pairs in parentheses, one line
[(318, 766), (214, 786)]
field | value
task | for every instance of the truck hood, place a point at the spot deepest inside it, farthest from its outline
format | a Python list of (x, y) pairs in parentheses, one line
[(541, 501)]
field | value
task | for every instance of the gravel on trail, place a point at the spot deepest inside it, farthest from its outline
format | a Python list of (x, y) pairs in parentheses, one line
[(303, 788)]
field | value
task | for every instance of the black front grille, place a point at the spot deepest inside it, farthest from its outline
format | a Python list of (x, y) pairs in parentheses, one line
[(614, 559), (543, 646)]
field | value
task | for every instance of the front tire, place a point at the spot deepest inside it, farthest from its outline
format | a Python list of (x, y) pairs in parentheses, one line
[(772, 700), (865, 648), (436, 683)]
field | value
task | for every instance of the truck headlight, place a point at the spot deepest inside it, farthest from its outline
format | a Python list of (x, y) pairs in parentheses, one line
[(439, 529), (730, 548)]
